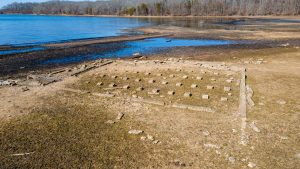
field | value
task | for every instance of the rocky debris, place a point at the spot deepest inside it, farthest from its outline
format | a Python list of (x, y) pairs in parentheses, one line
[(151, 81), (172, 76), (136, 72), (149, 137), (229, 94), (199, 78), (135, 132), (120, 116), (206, 133), (155, 142), (281, 102), (194, 86), (224, 99), (112, 85), (110, 122), (205, 96), (227, 89), (229, 81), (154, 91), (213, 79), (187, 94), (285, 45), (164, 82), (138, 80), (231, 160), (125, 78), (126, 87), (114, 77), (24, 89), (137, 55), (178, 84), (140, 89), (209, 87), (171, 92), (254, 127), (185, 77), (143, 138), (147, 73), (102, 76), (159, 74), (249, 93), (251, 165), (100, 84)]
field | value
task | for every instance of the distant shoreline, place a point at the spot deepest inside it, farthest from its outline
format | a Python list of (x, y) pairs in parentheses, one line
[(169, 16)]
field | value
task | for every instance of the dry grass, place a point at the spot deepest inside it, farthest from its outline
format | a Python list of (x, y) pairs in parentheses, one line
[(69, 134)]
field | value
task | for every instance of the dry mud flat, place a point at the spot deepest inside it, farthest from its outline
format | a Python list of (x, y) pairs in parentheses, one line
[(156, 114)]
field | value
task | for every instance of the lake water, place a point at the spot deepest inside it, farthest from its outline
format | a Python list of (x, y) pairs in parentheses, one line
[(31, 29)]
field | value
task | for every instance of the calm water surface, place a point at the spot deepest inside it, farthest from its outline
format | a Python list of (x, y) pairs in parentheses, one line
[(31, 29)]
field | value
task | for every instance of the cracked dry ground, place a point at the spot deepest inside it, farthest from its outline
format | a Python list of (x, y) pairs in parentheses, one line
[(65, 125)]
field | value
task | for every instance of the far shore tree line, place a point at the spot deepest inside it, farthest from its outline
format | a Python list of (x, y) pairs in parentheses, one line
[(159, 7)]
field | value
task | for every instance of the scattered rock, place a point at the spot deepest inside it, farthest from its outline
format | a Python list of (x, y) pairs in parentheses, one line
[(229, 81), (140, 89), (249, 93), (210, 87), (24, 89), (178, 84), (159, 74), (114, 77), (143, 138), (135, 132), (251, 165), (120, 116), (149, 137), (137, 55), (231, 160), (125, 78), (194, 86), (199, 78), (172, 76), (151, 81), (229, 94), (147, 73), (126, 87), (164, 82), (185, 77), (224, 99), (155, 142), (171, 93), (213, 79), (100, 84), (205, 96), (112, 85), (138, 80), (227, 89), (187, 94)]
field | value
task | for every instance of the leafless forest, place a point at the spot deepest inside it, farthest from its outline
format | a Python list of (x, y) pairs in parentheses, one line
[(160, 7)]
